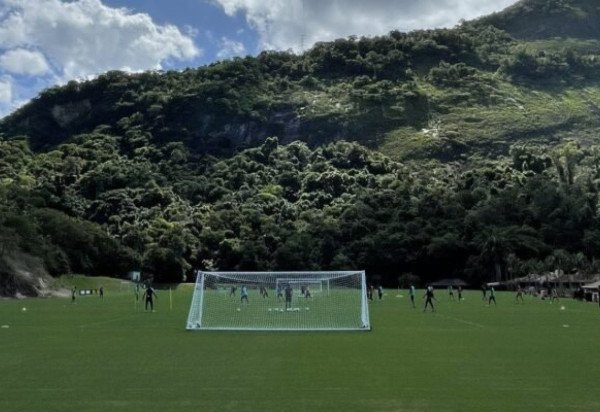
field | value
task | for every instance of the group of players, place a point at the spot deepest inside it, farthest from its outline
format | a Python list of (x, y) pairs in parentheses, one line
[(488, 291), (429, 296), (489, 295), (282, 291)]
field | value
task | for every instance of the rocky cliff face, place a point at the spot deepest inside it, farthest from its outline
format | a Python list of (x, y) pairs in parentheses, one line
[(22, 275), (65, 114)]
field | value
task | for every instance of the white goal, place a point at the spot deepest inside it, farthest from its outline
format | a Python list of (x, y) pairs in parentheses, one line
[(279, 301)]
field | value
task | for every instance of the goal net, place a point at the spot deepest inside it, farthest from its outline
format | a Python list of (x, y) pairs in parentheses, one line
[(284, 301)]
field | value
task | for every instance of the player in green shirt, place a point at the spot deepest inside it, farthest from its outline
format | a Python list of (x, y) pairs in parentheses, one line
[(492, 296)]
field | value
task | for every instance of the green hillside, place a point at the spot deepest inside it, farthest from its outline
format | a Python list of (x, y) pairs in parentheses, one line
[(455, 152), (541, 19)]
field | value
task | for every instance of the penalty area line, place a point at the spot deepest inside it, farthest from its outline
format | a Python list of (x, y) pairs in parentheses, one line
[(466, 322)]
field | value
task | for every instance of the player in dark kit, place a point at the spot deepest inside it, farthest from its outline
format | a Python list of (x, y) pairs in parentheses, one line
[(73, 294), (149, 295), (288, 296), (263, 292), (429, 298), (460, 293)]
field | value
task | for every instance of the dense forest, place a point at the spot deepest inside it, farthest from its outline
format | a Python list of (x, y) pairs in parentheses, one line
[(468, 152)]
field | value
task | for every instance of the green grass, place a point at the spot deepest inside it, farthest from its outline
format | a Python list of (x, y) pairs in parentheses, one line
[(513, 116), (106, 356), (336, 309)]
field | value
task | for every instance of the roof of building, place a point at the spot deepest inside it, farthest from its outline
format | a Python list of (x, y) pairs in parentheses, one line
[(593, 285)]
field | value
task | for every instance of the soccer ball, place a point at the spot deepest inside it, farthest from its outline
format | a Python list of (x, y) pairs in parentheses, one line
[(24, 309), (238, 309), (562, 308)]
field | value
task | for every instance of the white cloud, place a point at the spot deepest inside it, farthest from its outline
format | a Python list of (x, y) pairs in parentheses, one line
[(22, 61), (84, 37), (230, 48), (284, 24), (5, 91)]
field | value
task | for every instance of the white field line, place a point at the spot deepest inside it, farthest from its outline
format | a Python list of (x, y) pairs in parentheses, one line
[(102, 322), (466, 322)]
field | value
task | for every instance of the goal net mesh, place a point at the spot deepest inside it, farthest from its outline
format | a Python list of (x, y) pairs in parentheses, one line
[(291, 301)]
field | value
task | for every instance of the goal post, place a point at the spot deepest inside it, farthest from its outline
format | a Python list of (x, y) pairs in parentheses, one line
[(280, 301)]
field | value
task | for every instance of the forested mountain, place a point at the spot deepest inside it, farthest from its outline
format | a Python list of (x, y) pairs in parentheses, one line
[(455, 152), (542, 19)]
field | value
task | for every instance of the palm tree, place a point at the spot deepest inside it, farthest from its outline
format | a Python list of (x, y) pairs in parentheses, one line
[(496, 243)]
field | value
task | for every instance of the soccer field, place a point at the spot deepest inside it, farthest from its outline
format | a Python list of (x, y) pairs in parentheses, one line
[(106, 356)]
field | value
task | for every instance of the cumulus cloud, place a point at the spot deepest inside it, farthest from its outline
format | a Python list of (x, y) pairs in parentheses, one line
[(230, 48), (22, 61), (285, 24), (5, 91), (84, 37)]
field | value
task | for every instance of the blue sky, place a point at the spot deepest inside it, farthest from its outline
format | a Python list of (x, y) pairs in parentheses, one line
[(48, 42), (207, 19)]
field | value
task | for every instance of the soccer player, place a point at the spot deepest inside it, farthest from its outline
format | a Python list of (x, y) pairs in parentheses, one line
[(73, 294), (307, 292), (519, 294), (554, 295), (263, 292), (484, 291), (492, 296), (101, 292), (429, 298), (149, 295), (460, 293), (598, 296), (288, 296), (279, 292), (370, 292), (232, 291), (244, 294), (451, 292), (380, 292), (411, 292)]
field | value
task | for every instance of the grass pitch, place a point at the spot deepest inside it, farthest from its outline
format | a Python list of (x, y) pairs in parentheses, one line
[(109, 356)]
